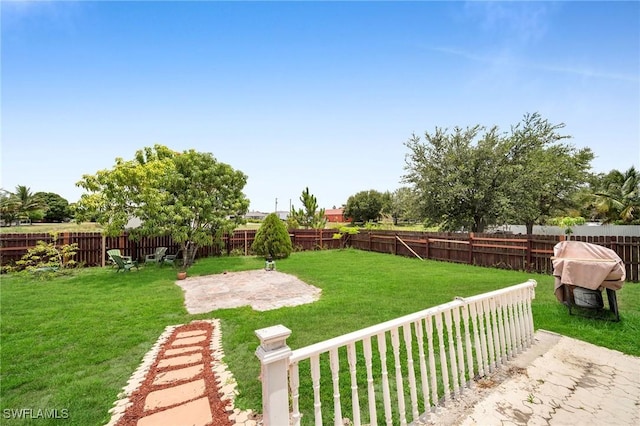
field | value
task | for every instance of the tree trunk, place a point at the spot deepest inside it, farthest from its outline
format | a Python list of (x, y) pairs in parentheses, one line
[(529, 228), (478, 225), (189, 250)]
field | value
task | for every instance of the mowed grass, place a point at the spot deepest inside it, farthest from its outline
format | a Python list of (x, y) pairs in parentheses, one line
[(73, 342)]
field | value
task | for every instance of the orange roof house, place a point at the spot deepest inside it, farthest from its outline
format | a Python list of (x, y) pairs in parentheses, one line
[(335, 215)]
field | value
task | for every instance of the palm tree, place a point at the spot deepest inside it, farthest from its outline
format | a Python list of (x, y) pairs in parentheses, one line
[(9, 207), (620, 197), (28, 203)]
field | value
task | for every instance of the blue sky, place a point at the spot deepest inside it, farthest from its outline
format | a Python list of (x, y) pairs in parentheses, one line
[(297, 94)]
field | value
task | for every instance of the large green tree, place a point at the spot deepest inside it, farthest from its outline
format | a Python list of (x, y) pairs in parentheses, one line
[(309, 216), (618, 197), (467, 180), (402, 205), (546, 173), (189, 195), (365, 206), (459, 176), (57, 209)]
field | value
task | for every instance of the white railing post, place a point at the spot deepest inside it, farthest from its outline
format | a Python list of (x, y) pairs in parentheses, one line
[(274, 354)]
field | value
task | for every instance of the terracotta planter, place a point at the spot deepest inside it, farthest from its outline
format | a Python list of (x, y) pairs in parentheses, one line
[(182, 275)]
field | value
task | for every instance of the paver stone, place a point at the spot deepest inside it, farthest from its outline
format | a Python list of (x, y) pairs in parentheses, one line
[(194, 413), (174, 395)]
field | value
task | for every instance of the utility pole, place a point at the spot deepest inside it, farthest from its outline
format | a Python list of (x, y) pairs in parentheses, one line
[(276, 204)]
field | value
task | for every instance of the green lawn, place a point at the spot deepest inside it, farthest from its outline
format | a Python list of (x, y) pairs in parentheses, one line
[(72, 343)]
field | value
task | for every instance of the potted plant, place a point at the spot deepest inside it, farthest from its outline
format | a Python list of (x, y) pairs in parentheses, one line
[(182, 268)]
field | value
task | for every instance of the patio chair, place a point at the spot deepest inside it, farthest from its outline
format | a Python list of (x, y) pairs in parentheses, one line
[(122, 264), (156, 257), (116, 252), (170, 259)]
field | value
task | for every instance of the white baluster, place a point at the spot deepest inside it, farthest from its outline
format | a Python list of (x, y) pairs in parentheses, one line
[(516, 320), (496, 333), (526, 295), (432, 361), (395, 344), (371, 392), (480, 353), (315, 380), (467, 340), (386, 393), (507, 326), (424, 377), (522, 320), (443, 359), (408, 343), (488, 329), (516, 323), (334, 363), (294, 385), (452, 352), (355, 400), (504, 302), (483, 337), (512, 324), (456, 323)]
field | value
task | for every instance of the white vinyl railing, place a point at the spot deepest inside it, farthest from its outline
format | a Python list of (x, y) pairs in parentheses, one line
[(396, 372)]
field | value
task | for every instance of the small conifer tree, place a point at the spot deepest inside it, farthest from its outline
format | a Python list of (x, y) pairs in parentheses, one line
[(272, 239)]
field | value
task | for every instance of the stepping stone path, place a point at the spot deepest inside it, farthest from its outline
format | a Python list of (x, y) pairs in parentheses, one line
[(184, 385)]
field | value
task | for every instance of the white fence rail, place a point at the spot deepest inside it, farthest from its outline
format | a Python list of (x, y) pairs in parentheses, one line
[(396, 372)]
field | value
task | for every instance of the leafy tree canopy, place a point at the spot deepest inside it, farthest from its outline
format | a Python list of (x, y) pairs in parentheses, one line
[(365, 206), (190, 196), (459, 176), (545, 172), (402, 204), (309, 216), (57, 209), (474, 177)]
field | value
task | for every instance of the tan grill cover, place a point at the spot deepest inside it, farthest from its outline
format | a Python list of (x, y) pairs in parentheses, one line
[(586, 265)]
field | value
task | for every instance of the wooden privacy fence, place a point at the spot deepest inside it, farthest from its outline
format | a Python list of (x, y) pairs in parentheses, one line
[(92, 246), (530, 253)]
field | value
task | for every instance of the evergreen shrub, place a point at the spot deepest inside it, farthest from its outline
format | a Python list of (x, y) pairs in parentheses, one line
[(272, 238)]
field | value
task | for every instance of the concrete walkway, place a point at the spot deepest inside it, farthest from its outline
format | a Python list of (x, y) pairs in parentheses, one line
[(558, 381)]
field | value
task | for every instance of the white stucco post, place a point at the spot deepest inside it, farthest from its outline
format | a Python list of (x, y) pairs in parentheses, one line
[(273, 354)]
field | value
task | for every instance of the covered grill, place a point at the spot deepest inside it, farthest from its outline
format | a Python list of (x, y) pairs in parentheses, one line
[(582, 271)]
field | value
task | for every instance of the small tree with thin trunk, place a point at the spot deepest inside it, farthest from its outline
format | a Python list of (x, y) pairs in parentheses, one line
[(272, 239), (309, 216)]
